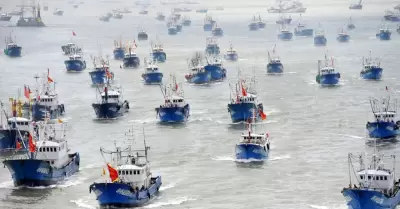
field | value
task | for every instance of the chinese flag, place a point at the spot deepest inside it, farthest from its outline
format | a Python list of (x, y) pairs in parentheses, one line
[(49, 79), (27, 92), (32, 146), (73, 33), (244, 93), (262, 114), (18, 145), (113, 173)]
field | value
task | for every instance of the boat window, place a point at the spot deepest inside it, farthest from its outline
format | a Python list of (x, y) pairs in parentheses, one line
[(59, 148), (361, 177), (130, 172), (134, 172), (119, 172), (385, 177), (52, 162), (369, 177), (48, 149), (123, 172)]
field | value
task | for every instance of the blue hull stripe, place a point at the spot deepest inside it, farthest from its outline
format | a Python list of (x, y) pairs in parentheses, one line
[(250, 151), (173, 114), (382, 130), (369, 199)]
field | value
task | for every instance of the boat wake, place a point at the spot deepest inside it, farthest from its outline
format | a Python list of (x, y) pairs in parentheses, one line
[(168, 186), (325, 207), (81, 203), (351, 136), (223, 158), (176, 201), (232, 159), (73, 181), (280, 158)]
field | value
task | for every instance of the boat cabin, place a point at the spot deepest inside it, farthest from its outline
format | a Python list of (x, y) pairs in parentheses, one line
[(47, 100), (253, 138), (112, 96), (285, 31), (275, 60), (151, 68), (130, 54), (12, 45), (371, 65), (137, 175), (376, 179), (197, 70), (75, 57), (175, 101), (22, 124), (385, 116), (327, 71), (158, 48), (249, 98)]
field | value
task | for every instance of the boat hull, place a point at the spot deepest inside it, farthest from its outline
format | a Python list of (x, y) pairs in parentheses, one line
[(217, 72), (208, 27), (199, 78), (218, 33), (304, 32), (29, 172), (98, 77), (119, 53), (320, 41), (372, 74), (343, 38), (384, 36), (285, 36), (142, 37), (329, 79), (231, 57), (13, 51), (369, 199), (151, 78), (172, 31), (274, 68), (382, 130), (243, 111), (121, 195), (173, 114), (186, 23), (253, 27), (110, 110), (8, 139), (5, 18), (131, 62), (159, 56), (212, 50), (245, 151), (39, 112), (75, 65)]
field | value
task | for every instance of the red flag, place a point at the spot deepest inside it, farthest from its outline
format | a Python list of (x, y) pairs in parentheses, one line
[(176, 87), (113, 173), (26, 92), (48, 77), (244, 93), (262, 114), (108, 74), (18, 144), (73, 33), (32, 146)]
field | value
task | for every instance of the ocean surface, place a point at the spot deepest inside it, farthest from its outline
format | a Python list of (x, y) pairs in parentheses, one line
[(312, 129)]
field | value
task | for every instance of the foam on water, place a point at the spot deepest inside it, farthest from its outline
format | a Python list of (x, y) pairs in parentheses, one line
[(176, 201)]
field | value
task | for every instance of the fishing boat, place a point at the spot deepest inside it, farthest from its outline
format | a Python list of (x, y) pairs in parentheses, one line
[(287, 7), (142, 35), (208, 23), (178, 26), (111, 104), (384, 124), (319, 38), (327, 75), (131, 60), (243, 101), (58, 12), (342, 36), (274, 63), (158, 53), (15, 131), (125, 11), (45, 102), (172, 30), (261, 23), (384, 34), (105, 18), (101, 71), (372, 69), (393, 16), (160, 17), (117, 15), (285, 34), (33, 21), (231, 54), (119, 50), (202, 10), (49, 160), (132, 183), (75, 63), (212, 47), (197, 73), (302, 30), (253, 146), (356, 6), (217, 31), (12, 48), (215, 68), (284, 20), (253, 26), (350, 24), (71, 48), (5, 17), (175, 109), (152, 74), (375, 184), (186, 21), (143, 12)]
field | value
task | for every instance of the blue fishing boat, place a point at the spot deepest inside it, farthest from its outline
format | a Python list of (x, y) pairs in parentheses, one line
[(142, 35), (172, 30), (202, 10), (350, 24), (284, 20), (358, 6), (375, 185), (253, 26), (101, 71), (186, 21), (231, 54), (384, 124), (45, 103), (12, 49), (319, 38), (302, 30), (327, 74), (178, 26), (132, 183), (285, 34), (393, 16), (260, 22), (372, 69), (15, 132), (67, 49), (252, 146), (158, 53), (160, 17), (384, 34), (152, 74), (75, 63), (244, 101), (217, 31), (208, 23), (215, 68), (274, 63), (212, 47), (131, 60), (343, 37), (119, 50), (111, 104), (49, 160), (175, 109), (198, 75)]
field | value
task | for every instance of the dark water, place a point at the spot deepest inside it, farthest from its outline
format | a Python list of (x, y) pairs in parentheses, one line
[(312, 129)]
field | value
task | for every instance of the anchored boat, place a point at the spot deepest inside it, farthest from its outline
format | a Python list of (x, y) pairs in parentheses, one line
[(327, 74), (212, 47), (111, 104), (58, 12), (172, 29), (175, 109), (384, 124), (303, 30), (142, 35), (274, 63), (208, 23), (5, 17), (186, 21), (132, 183), (372, 69), (160, 17), (12, 49), (34, 21), (285, 34), (253, 26), (49, 160), (231, 54), (261, 23)]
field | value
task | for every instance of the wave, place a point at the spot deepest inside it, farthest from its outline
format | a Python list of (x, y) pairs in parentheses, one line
[(223, 158), (168, 186), (176, 201), (148, 121), (64, 184), (325, 207), (351, 136), (280, 158), (82, 204)]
